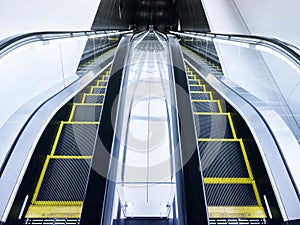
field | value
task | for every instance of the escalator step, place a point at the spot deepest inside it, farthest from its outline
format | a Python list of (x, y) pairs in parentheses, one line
[(222, 159), (213, 126), (230, 195), (194, 82), (64, 180), (94, 98), (87, 113), (201, 96), (98, 90), (101, 83), (76, 139), (191, 77), (197, 88), (211, 106)]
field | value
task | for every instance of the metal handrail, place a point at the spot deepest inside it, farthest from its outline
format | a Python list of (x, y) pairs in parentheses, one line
[(11, 43), (251, 41)]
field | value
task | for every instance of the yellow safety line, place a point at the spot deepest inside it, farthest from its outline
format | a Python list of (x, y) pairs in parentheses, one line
[(198, 85), (210, 113), (204, 92), (218, 139), (62, 203), (93, 87), (41, 212), (42, 175), (217, 101), (194, 77), (98, 82), (219, 105), (83, 97), (72, 112), (40, 181), (236, 212), (250, 172), (80, 122), (228, 180), (232, 126), (70, 157), (62, 123), (86, 94), (57, 137), (256, 193), (88, 104), (246, 158)]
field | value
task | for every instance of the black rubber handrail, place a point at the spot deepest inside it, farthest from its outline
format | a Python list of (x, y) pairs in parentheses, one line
[(10, 43), (273, 43)]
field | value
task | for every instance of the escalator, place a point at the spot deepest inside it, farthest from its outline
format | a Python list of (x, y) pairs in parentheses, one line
[(231, 190), (177, 153), (61, 185)]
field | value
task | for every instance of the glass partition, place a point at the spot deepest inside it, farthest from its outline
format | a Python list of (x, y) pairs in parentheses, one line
[(36, 68), (261, 75)]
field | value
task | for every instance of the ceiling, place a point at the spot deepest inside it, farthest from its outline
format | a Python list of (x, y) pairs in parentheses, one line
[(163, 14)]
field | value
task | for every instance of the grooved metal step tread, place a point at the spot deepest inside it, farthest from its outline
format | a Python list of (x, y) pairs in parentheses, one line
[(192, 77), (64, 181), (222, 159), (201, 96), (84, 112), (98, 90), (197, 88), (213, 126), (196, 82), (75, 139), (93, 98), (207, 106), (101, 83), (230, 195)]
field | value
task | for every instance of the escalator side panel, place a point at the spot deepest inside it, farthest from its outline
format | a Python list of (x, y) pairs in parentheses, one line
[(95, 193)]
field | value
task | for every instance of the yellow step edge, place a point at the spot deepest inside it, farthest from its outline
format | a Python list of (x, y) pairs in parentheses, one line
[(197, 85), (88, 104), (236, 212), (70, 157), (228, 180), (204, 92), (93, 87), (72, 112), (87, 94), (42, 212), (58, 203), (218, 139), (99, 81), (42, 175), (231, 125), (210, 113), (195, 77), (80, 122), (57, 137), (217, 101), (248, 167), (40, 181), (62, 123)]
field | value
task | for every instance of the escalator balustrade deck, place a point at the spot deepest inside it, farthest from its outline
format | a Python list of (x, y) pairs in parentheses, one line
[(230, 187)]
